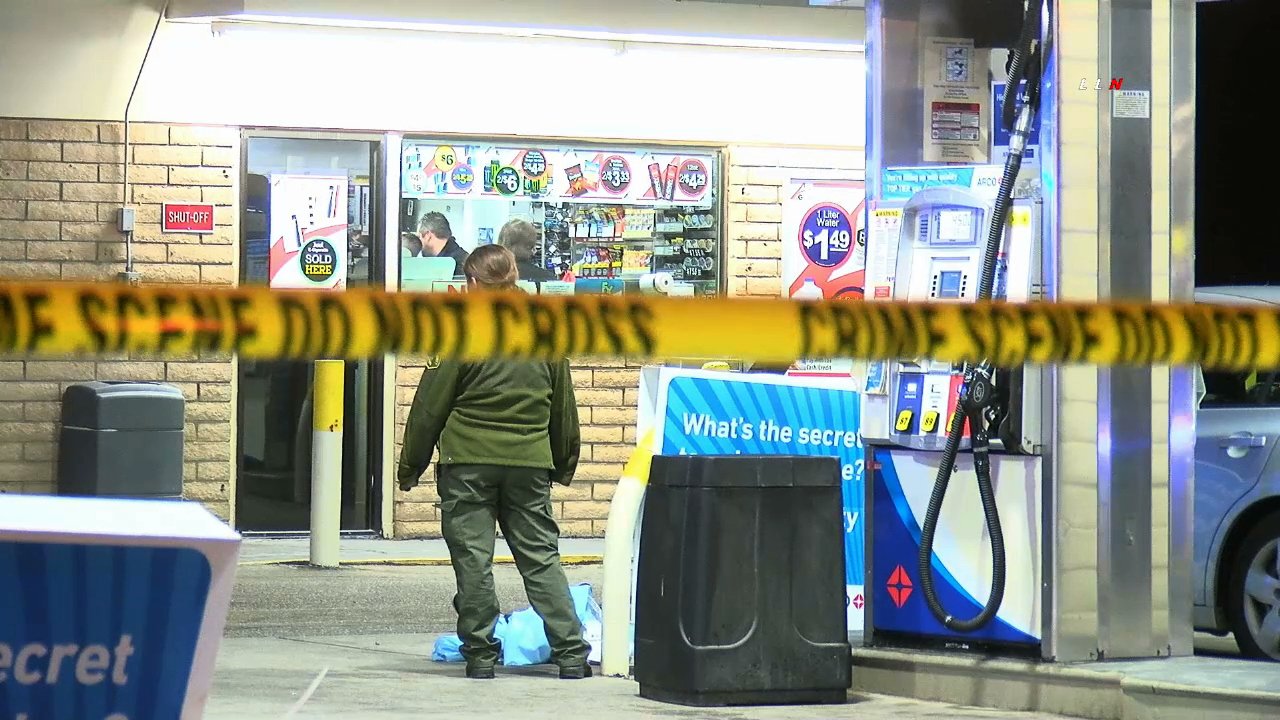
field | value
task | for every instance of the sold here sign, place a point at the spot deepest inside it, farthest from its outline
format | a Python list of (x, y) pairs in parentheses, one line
[(187, 218)]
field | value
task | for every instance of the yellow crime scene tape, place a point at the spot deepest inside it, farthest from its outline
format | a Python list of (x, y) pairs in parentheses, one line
[(48, 320)]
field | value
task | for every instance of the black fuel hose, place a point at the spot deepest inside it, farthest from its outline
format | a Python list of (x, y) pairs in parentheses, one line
[(977, 395)]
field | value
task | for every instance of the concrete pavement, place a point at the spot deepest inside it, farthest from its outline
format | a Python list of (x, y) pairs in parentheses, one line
[(300, 601), (391, 676), (364, 551), (362, 636), (370, 628)]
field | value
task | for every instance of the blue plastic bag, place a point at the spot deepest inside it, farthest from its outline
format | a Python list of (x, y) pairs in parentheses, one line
[(448, 648), (524, 636)]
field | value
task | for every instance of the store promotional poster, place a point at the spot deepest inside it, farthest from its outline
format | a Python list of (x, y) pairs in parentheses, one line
[(308, 232), (824, 251), (824, 245), (716, 413), (624, 177)]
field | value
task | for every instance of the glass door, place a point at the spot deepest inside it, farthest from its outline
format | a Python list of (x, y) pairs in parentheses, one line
[(311, 210)]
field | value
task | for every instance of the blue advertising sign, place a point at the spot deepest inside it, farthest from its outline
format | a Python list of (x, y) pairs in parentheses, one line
[(729, 414), (111, 609), (98, 632), (1000, 136)]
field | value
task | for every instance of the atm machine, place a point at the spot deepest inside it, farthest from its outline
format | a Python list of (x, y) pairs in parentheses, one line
[(955, 453)]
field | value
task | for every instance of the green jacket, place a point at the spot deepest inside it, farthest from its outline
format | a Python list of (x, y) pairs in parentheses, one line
[(500, 412)]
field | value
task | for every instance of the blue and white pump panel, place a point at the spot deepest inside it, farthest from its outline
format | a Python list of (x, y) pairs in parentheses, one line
[(926, 238), (902, 482)]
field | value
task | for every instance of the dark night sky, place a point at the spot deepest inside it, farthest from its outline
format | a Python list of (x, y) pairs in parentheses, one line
[(1237, 150)]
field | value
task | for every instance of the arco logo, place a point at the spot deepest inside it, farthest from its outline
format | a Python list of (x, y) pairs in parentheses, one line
[(900, 586)]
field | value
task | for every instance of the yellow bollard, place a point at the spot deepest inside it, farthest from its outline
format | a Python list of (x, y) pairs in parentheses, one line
[(619, 559), (326, 462)]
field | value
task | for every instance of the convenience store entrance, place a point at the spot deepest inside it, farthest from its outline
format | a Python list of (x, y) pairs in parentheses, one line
[(311, 214)]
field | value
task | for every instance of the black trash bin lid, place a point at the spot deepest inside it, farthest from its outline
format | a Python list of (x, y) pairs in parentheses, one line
[(744, 471)]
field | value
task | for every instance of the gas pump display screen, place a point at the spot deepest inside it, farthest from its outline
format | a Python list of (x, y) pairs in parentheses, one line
[(949, 284), (955, 226)]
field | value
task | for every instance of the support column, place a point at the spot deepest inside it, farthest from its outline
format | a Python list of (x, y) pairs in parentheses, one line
[(1120, 502)]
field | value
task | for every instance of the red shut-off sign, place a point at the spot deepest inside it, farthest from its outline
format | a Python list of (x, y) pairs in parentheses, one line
[(187, 218)]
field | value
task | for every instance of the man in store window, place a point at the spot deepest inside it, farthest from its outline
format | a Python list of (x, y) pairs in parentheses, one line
[(410, 245), (521, 238), (438, 241)]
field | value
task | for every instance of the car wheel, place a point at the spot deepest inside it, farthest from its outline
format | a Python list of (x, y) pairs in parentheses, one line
[(1253, 600)]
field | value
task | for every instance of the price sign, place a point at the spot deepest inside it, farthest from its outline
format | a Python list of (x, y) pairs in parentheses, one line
[(446, 158), (463, 177), (535, 163), (693, 178), (826, 235), (615, 175), (507, 181), (319, 260)]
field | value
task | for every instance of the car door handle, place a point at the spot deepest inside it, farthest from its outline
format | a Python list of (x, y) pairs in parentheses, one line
[(1244, 440)]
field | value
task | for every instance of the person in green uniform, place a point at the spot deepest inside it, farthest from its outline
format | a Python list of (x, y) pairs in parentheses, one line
[(506, 430)]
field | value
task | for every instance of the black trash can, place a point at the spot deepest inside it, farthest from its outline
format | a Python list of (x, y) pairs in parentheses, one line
[(740, 592), (121, 439)]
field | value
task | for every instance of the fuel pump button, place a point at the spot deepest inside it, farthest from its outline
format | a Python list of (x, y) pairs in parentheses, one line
[(929, 423), (904, 421)]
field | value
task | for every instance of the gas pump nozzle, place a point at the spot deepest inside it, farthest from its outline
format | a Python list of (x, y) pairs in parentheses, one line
[(980, 400)]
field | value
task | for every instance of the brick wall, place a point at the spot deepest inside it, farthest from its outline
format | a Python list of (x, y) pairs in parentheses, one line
[(754, 207), (607, 392), (60, 188)]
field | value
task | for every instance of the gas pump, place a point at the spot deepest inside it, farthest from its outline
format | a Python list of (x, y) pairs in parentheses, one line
[(955, 453)]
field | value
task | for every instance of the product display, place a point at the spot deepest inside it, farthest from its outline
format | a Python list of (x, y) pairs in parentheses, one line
[(607, 219)]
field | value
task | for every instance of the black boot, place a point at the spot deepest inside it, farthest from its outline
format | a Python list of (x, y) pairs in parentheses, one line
[(480, 672), (575, 672)]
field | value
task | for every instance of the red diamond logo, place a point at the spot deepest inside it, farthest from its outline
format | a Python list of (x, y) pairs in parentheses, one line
[(900, 586), (858, 602)]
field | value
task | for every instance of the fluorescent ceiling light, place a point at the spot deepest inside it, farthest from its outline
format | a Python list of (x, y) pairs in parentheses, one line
[(569, 33)]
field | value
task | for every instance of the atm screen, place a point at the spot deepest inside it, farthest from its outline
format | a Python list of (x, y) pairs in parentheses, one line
[(955, 226), (949, 284)]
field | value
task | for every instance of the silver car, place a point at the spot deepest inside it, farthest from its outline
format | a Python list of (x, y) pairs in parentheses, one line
[(1237, 497)]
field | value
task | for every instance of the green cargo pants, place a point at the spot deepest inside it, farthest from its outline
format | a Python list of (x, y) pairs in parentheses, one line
[(472, 497)]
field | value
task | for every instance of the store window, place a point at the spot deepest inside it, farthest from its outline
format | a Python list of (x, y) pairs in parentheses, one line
[(580, 219)]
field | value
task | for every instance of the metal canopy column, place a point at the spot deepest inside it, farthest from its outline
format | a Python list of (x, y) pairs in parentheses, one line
[(1120, 516)]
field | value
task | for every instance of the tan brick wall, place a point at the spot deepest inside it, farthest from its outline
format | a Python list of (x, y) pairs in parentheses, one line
[(60, 189), (607, 392), (754, 209)]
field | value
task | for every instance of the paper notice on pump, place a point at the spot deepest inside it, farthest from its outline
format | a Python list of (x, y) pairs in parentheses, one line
[(957, 105), (882, 249), (1131, 104)]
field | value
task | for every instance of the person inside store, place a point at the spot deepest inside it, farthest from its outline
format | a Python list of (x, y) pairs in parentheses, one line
[(507, 430), (521, 238), (438, 241), (410, 245)]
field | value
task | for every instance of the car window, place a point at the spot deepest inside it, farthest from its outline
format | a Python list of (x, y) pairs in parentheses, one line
[(1241, 389)]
